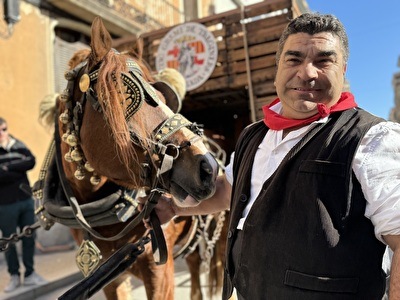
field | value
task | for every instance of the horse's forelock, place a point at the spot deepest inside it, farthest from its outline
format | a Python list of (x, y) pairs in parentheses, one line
[(111, 94), (110, 91), (78, 57)]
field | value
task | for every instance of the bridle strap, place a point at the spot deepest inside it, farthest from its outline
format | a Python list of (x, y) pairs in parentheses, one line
[(144, 214), (137, 89)]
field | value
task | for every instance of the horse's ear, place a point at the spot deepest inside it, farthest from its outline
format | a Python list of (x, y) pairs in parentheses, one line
[(100, 42)]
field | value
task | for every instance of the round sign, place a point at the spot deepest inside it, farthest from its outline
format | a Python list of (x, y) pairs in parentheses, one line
[(191, 49)]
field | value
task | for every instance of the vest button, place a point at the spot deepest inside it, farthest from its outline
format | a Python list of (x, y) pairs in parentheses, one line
[(230, 234), (243, 198)]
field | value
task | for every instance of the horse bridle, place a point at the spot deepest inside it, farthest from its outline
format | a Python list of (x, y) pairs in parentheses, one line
[(137, 91)]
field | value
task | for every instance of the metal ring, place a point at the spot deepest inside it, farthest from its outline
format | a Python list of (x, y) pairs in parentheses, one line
[(172, 146)]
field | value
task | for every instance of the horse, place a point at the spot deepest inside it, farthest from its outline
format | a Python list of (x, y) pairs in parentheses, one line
[(203, 239), (116, 143)]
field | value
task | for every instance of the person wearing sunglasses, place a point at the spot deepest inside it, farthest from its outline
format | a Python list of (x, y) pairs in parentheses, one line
[(16, 206)]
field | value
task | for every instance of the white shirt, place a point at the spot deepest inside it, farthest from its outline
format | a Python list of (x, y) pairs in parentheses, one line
[(376, 165)]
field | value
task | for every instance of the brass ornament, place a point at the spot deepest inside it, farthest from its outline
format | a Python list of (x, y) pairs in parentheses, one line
[(68, 157), (88, 167), (95, 179), (88, 257), (65, 136), (64, 96), (72, 140), (84, 83), (79, 174), (76, 155), (64, 117)]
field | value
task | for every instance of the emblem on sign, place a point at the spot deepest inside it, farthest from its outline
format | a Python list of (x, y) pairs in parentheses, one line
[(191, 49)]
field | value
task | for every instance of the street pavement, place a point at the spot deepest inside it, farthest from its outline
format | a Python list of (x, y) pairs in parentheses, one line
[(59, 269), (56, 263)]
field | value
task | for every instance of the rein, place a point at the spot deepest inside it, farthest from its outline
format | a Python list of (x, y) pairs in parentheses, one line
[(137, 90)]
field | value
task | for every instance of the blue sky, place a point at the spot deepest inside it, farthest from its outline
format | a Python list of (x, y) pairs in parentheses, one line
[(373, 28)]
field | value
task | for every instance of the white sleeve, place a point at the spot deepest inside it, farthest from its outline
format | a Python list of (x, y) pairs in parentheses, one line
[(229, 169), (376, 165)]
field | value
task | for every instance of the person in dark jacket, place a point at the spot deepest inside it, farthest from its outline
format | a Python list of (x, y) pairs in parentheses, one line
[(16, 206), (314, 188)]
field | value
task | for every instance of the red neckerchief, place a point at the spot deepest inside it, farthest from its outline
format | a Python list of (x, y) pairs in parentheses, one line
[(277, 122)]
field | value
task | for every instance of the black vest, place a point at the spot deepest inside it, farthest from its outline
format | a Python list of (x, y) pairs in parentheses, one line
[(306, 236)]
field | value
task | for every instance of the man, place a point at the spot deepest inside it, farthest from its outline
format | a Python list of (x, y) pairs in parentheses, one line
[(16, 206), (323, 196)]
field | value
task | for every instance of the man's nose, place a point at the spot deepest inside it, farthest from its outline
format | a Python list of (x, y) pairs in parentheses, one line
[(308, 71)]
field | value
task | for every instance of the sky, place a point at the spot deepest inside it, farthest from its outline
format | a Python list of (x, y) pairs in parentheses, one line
[(373, 28)]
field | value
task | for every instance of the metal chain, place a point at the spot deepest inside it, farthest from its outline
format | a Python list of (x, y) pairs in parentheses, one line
[(38, 197), (209, 251), (14, 238)]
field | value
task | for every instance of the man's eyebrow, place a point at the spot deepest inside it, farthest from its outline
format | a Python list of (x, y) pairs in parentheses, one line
[(327, 53), (293, 53), (320, 54)]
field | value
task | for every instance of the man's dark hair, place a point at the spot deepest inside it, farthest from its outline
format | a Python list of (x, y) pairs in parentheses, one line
[(313, 23), (2, 121)]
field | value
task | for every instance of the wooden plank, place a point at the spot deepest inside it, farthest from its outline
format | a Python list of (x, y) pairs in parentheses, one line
[(256, 25), (256, 77), (256, 37), (236, 80), (267, 22), (258, 9), (254, 51), (230, 73), (259, 103), (264, 88), (240, 66), (255, 64), (227, 17)]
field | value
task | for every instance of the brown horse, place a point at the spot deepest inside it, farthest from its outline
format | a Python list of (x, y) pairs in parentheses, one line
[(203, 239), (115, 136)]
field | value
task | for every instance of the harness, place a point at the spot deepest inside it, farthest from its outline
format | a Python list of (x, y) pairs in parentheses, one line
[(55, 199)]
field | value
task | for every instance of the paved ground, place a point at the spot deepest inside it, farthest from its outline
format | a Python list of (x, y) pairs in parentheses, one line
[(58, 268), (61, 272)]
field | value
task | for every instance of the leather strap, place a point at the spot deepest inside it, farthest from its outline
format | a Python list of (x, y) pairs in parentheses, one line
[(158, 244), (108, 271), (144, 214)]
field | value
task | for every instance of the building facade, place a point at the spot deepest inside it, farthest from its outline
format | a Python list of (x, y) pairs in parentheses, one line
[(37, 38)]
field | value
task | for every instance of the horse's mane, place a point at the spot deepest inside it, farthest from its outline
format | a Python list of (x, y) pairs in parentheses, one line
[(110, 91), (111, 94)]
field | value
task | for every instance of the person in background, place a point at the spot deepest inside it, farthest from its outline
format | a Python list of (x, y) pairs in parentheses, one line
[(314, 188), (16, 206)]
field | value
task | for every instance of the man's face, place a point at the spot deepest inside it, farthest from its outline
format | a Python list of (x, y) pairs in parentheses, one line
[(311, 70), (3, 133)]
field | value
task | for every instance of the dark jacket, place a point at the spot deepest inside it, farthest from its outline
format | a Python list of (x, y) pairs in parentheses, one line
[(18, 160), (306, 236)]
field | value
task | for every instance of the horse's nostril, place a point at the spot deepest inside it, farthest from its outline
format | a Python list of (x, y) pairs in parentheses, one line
[(206, 168)]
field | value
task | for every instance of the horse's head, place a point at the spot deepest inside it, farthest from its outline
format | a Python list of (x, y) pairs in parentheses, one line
[(116, 127)]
